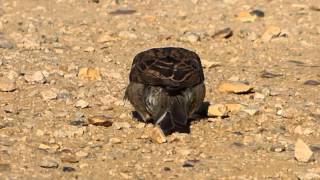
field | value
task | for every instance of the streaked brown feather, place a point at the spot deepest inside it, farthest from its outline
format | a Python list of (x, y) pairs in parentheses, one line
[(172, 68)]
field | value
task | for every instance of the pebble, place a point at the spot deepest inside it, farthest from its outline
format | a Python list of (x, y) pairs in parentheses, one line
[(82, 104), (234, 107), (49, 163), (82, 154), (259, 96), (127, 35), (270, 33), (312, 82), (49, 94), (68, 169), (234, 87), (114, 141), (190, 37), (251, 111), (100, 121), (88, 73), (209, 64), (219, 110), (69, 158), (121, 125), (36, 77), (223, 33), (308, 176), (302, 152), (89, 49), (246, 16), (7, 85), (105, 37), (157, 135)]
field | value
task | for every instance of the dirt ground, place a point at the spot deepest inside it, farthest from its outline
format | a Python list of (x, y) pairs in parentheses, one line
[(47, 95)]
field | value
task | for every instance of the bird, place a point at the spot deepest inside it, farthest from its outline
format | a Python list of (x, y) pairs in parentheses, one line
[(166, 86)]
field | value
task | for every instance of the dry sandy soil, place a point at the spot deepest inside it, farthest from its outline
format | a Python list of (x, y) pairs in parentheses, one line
[(45, 103)]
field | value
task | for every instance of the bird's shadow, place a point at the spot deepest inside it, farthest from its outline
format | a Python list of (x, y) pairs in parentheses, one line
[(201, 113)]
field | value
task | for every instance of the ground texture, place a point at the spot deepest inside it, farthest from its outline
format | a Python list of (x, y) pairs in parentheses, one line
[(63, 62)]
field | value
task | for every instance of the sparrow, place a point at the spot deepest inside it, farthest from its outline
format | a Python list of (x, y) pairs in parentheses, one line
[(166, 86)]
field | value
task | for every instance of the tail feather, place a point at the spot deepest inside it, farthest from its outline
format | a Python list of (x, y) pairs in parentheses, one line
[(176, 117)]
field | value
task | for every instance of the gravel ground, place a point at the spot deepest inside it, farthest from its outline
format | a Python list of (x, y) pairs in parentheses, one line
[(64, 65)]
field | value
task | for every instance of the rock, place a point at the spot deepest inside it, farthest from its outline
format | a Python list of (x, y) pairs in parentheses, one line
[(69, 158), (7, 85), (302, 152), (67, 168), (259, 96), (6, 44), (37, 77), (308, 176), (234, 87), (49, 163), (219, 110), (12, 75), (105, 37), (223, 33), (89, 49), (312, 82), (190, 37), (121, 125), (246, 17), (127, 35), (209, 64), (270, 33), (82, 104), (100, 121), (49, 94), (82, 154), (251, 111), (157, 135), (114, 141), (234, 107), (89, 73)]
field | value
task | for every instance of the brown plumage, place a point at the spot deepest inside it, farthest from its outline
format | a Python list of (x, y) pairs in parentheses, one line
[(166, 86)]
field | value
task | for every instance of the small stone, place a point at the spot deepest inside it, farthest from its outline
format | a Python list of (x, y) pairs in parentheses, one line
[(89, 49), (312, 82), (259, 96), (219, 110), (69, 158), (251, 111), (234, 87), (121, 125), (302, 151), (209, 64), (89, 73), (140, 125), (127, 35), (37, 77), (308, 176), (82, 154), (190, 37), (246, 17), (100, 121), (49, 94), (115, 141), (7, 85), (68, 169), (157, 135), (105, 37), (270, 33), (234, 107), (44, 147), (223, 33), (49, 163), (82, 104)]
